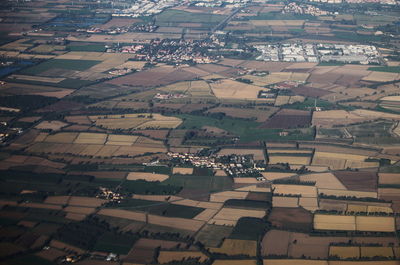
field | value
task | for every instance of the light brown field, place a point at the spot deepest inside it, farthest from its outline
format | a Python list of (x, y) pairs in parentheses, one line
[(205, 215), (258, 154), (375, 262), (324, 180), (329, 118), (379, 209), (295, 160), (381, 77), (147, 176), (51, 125), (350, 193), (75, 216), (182, 170), (304, 191), (235, 262), (63, 137), (79, 210), (334, 222), (236, 247), (179, 223), (356, 208), (377, 251), (136, 121), (280, 201), (227, 195), (389, 178), (375, 223), (57, 199), (86, 201), (264, 23), (344, 252), (130, 215), (229, 89), (276, 175), (245, 180), (91, 138), (294, 262), (231, 214), (169, 256)]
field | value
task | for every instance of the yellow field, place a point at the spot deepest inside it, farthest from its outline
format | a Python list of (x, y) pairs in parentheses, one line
[(136, 121), (276, 175), (354, 223), (245, 180), (205, 215), (227, 195), (294, 262), (391, 98), (379, 209), (235, 262), (236, 247), (375, 223), (296, 160), (91, 138), (280, 201), (377, 251), (230, 214), (182, 170), (341, 161), (356, 208), (375, 262), (146, 176), (310, 204), (230, 89), (169, 256), (350, 193), (344, 252), (334, 222), (303, 190), (324, 180), (281, 100)]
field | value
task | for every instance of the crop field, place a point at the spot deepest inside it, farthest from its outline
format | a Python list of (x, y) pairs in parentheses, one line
[(230, 89), (229, 216), (235, 262), (334, 222), (169, 256), (258, 154), (236, 247), (147, 176), (287, 119), (354, 223), (291, 218), (324, 180), (182, 170), (285, 158), (359, 181), (157, 76), (389, 178), (292, 189), (337, 161), (296, 262), (213, 235), (345, 252), (136, 121), (280, 201), (261, 114)]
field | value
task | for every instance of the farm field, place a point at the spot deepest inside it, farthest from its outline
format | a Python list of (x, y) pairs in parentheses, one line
[(199, 132)]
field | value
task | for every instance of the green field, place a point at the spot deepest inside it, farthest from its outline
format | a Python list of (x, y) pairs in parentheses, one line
[(387, 69), (119, 244), (210, 183), (174, 17), (67, 64), (248, 131)]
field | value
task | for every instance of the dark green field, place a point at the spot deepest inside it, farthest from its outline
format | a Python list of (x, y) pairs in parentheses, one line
[(67, 64)]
